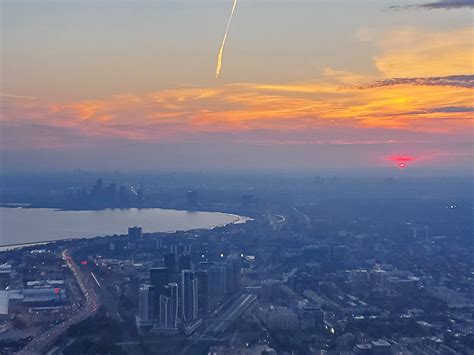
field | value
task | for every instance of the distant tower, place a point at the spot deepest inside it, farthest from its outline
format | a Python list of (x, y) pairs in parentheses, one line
[(97, 189), (135, 232), (192, 197), (159, 243), (140, 192), (122, 195)]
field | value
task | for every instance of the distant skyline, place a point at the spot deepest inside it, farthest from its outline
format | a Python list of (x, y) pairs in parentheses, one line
[(346, 85)]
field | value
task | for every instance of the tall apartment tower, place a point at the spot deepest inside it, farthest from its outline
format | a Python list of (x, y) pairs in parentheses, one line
[(189, 295), (144, 303), (169, 306), (203, 294)]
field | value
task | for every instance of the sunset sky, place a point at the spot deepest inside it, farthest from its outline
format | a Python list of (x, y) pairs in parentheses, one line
[(305, 84)]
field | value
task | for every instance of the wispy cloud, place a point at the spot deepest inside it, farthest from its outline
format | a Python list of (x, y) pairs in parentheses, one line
[(441, 4), (444, 110), (323, 110), (461, 81), (413, 52), (453, 109), (21, 97)]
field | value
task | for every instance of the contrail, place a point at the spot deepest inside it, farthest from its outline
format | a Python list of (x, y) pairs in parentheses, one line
[(221, 51), (18, 96)]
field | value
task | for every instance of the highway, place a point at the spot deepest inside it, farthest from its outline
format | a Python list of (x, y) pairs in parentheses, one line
[(237, 309), (109, 299), (41, 341), (221, 324)]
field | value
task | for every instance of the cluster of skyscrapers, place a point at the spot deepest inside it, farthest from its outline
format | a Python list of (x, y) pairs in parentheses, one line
[(110, 195), (180, 293)]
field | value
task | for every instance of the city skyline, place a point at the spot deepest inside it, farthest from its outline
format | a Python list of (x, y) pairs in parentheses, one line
[(234, 177)]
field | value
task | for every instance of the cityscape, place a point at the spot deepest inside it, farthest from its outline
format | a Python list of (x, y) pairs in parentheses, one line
[(324, 272), (236, 177)]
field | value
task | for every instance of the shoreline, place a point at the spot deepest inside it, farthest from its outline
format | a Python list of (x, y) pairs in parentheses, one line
[(9, 247), (62, 209), (91, 209)]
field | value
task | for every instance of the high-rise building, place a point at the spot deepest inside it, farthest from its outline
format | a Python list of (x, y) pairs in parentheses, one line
[(170, 262), (140, 192), (159, 243), (232, 275), (143, 303), (164, 310), (122, 195), (216, 282), (203, 293), (173, 305), (146, 303), (229, 278), (97, 189), (152, 304), (135, 232), (159, 277), (168, 303), (189, 295), (236, 272), (192, 197), (184, 262)]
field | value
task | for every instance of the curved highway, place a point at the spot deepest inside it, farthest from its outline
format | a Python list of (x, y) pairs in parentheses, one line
[(40, 343)]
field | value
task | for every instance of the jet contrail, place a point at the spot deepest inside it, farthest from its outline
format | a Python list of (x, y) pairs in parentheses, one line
[(221, 51), (18, 96)]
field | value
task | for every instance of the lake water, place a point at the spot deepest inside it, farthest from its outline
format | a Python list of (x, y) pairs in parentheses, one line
[(30, 225)]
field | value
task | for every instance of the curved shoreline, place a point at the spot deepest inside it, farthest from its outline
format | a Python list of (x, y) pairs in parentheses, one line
[(237, 219)]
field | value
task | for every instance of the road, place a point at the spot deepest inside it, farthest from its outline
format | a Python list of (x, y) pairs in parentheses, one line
[(236, 310), (46, 338), (221, 323), (109, 299)]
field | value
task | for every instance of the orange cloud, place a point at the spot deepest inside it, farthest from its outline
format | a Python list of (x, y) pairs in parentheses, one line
[(252, 106), (335, 101), (411, 52)]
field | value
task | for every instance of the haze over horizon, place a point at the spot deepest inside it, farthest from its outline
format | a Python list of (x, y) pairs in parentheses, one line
[(359, 86)]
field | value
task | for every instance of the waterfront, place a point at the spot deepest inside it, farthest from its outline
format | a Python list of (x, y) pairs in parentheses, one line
[(31, 225)]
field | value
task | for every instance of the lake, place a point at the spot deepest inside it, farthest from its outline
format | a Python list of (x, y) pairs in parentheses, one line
[(30, 225)]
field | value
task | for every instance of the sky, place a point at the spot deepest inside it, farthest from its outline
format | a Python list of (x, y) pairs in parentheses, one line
[(304, 84)]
